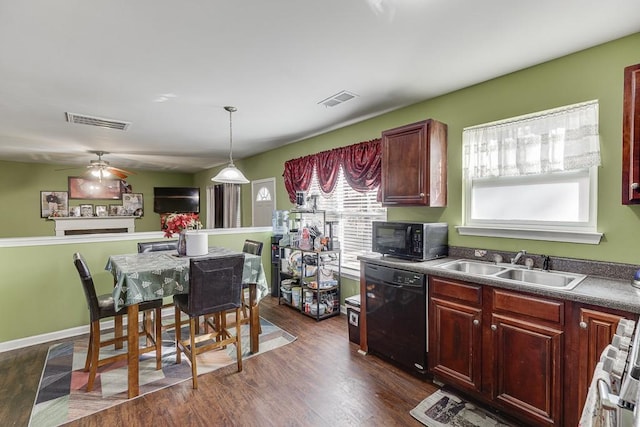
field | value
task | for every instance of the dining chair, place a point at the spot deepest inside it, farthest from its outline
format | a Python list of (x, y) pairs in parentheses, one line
[(102, 307), (157, 246), (250, 247), (215, 285), (145, 247)]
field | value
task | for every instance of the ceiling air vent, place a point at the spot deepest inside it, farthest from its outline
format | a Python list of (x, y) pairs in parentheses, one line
[(338, 98), (97, 121)]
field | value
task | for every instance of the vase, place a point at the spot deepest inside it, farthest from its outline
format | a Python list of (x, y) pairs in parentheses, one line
[(182, 243), (197, 243)]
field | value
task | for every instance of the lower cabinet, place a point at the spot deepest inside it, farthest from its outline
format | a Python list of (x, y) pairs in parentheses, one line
[(529, 356), (455, 336), (525, 340)]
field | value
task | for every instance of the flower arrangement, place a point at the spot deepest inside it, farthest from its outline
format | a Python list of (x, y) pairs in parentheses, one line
[(176, 222)]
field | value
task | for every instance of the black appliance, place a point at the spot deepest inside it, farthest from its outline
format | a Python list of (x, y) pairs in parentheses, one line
[(410, 240), (275, 264), (176, 199), (396, 308)]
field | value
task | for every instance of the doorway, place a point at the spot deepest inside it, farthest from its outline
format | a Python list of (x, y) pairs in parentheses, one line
[(263, 196)]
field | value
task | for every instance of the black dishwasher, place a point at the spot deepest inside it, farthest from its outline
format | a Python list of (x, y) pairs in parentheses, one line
[(397, 315)]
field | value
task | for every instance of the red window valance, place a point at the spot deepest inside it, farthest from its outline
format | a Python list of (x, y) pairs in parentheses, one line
[(360, 162)]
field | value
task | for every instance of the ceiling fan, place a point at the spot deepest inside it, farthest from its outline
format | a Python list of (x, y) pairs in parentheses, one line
[(99, 169)]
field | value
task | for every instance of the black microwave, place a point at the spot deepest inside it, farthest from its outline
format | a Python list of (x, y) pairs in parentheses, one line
[(410, 240)]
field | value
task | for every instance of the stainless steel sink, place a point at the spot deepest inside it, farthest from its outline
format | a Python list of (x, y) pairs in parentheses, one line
[(516, 274), (543, 278), (472, 267)]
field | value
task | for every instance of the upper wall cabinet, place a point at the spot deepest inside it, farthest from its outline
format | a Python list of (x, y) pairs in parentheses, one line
[(414, 165), (631, 136)]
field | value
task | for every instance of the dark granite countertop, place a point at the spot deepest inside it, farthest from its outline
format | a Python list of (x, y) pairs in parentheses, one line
[(615, 293)]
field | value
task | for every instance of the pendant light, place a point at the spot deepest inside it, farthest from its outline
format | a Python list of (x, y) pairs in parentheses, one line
[(231, 174)]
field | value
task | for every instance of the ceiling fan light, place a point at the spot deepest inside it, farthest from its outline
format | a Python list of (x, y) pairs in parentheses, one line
[(230, 175), (100, 173)]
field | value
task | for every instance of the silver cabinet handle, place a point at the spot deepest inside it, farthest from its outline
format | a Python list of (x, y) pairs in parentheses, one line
[(635, 186), (476, 322), (583, 325), (421, 194), (494, 328)]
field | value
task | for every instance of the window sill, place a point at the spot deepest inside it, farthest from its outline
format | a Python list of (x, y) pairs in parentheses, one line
[(589, 238)]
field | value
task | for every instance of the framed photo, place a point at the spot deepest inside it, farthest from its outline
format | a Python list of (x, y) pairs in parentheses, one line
[(133, 204), (82, 188), (101, 210), (116, 210), (74, 211), (54, 203), (86, 210)]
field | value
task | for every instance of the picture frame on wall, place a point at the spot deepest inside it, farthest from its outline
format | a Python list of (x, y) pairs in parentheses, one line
[(86, 210), (83, 188), (101, 210), (54, 204), (116, 210), (133, 204)]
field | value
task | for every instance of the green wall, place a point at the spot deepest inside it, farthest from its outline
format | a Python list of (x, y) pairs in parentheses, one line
[(40, 279), (42, 292), (596, 73), (21, 184)]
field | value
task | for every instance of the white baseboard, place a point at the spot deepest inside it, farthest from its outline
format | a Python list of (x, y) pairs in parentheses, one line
[(65, 333)]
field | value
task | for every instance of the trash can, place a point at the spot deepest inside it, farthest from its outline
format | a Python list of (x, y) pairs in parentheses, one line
[(353, 316)]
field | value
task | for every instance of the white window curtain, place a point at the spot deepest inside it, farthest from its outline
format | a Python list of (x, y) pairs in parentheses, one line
[(557, 140), (353, 213)]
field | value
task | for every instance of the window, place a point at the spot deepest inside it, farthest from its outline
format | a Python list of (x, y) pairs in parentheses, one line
[(534, 176), (354, 212)]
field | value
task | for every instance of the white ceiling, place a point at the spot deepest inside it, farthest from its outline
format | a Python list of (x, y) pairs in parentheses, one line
[(169, 67)]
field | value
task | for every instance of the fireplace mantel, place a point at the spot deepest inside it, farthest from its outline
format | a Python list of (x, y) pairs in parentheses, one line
[(66, 226)]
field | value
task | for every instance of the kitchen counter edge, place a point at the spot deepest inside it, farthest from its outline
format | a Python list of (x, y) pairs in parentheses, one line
[(599, 291)]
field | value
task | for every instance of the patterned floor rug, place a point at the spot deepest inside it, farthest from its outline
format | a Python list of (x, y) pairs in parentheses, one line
[(445, 409), (62, 395)]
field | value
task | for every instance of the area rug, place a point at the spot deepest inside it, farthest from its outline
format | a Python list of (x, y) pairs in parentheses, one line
[(62, 395), (445, 409)]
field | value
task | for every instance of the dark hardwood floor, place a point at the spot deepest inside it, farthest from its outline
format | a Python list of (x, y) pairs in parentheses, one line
[(318, 380)]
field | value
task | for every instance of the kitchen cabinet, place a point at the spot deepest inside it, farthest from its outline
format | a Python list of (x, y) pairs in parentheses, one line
[(454, 327), (631, 136), (525, 338), (414, 165), (504, 347), (592, 329), (310, 281)]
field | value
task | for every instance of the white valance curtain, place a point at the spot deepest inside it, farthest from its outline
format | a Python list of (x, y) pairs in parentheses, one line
[(561, 139)]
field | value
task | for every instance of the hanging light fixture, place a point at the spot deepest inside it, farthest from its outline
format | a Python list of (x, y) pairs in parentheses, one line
[(231, 174)]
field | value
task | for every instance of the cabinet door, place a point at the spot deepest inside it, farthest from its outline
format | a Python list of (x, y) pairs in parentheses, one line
[(414, 159), (596, 330), (631, 136), (455, 341), (527, 368)]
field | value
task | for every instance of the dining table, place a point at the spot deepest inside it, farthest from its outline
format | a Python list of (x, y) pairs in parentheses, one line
[(148, 276)]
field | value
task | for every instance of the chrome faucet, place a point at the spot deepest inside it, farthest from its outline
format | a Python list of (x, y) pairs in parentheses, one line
[(518, 256)]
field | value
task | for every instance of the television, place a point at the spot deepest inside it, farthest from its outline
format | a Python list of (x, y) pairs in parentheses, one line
[(176, 199)]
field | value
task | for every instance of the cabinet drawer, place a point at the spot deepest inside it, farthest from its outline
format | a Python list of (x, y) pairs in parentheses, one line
[(529, 306), (455, 290)]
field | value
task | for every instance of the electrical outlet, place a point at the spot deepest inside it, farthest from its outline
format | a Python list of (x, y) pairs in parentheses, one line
[(480, 253)]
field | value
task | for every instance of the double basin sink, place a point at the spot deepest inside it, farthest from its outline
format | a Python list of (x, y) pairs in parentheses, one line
[(516, 274)]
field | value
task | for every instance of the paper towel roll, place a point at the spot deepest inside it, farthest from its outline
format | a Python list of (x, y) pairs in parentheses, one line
[(197, 244)]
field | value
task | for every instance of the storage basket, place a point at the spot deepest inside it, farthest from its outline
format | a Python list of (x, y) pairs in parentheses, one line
[(286, 294), (296, 294)]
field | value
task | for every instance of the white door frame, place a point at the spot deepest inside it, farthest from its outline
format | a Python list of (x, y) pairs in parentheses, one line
[(255, 185)]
